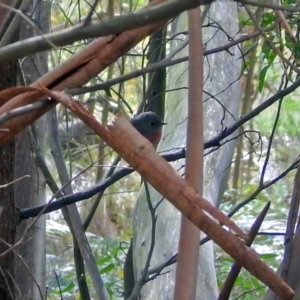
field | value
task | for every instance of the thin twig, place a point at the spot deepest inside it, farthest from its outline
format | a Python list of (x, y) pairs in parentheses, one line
[(236, 268), (144, 274), (3, 186)]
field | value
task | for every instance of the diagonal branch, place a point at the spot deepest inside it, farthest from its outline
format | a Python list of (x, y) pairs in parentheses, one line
[(140, 154), (236, 268)]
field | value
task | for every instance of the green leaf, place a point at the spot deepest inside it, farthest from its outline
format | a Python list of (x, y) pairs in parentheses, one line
[(268, 255), (107, 269), (104, 260), (265, 50), (268, 53), (271, 57), (115, 251), (69, 288), (289, 2), (293, 46), (268, 18), (262, 77)]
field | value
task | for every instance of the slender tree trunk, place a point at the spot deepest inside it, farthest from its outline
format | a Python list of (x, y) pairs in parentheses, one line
[(30, 256), (8, 222), (217, 68)]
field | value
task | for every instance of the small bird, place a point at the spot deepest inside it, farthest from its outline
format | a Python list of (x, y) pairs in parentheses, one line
[(149, 124)]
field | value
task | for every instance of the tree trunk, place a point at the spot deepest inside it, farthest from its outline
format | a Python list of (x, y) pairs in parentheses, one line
[(30, 265), (226, 90), (8, 221)]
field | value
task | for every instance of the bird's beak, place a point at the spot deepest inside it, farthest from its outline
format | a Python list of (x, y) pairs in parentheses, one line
[(163, 123)]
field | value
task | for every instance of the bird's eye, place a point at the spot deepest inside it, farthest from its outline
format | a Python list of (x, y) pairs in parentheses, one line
[(152, 123)]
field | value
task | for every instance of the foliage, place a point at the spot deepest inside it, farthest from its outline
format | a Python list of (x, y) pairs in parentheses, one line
[(61, 279)]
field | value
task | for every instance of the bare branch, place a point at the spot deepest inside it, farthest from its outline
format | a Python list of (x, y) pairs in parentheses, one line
[(163, 11)]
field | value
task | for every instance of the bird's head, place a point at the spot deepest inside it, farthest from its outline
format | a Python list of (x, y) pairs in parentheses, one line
[(149, 124)]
